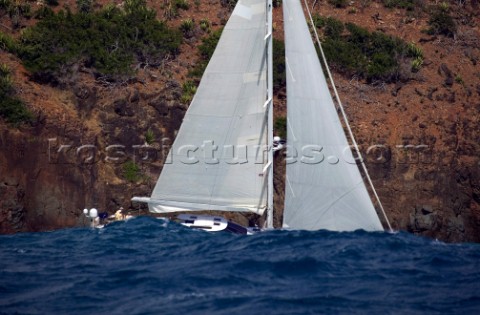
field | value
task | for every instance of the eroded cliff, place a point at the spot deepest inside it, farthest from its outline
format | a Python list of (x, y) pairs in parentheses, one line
[(96, 143)]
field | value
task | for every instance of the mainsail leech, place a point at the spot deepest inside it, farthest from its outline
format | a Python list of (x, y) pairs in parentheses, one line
[(226, 115)]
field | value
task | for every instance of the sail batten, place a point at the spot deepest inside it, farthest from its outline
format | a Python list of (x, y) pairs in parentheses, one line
[(166, 206), (217, 158), (325, 189)]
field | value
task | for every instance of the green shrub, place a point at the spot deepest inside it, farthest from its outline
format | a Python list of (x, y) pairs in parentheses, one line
[(279, 68), (109, 40), (53, 3), (409, 5), (209, 44), (138, 10), (149, 136), (14, 111), (333, 28), (182, 4), (318, 21), (358, 35), (170, 12), (280, 127), (11, 109), (356, 51), (43, 12), (109, 11), (187, 26), (382, 66), (189, 89), (85, 6), (444, 6), (171, 8), (205, 25), (7, 43), (5, 4), (346, 56), (4, 70), (417, 64), (131, 171), (459, 79), (25, 10), (206, 48), (441, 23), (414, 51), (5, 81), (339, 3)]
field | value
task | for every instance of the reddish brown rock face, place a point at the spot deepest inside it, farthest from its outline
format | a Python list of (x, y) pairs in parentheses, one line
[(420, 138)]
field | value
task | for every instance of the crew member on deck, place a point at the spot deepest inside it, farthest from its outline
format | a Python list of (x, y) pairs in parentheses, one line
[(118, 214), (278, 143), (124, 213)]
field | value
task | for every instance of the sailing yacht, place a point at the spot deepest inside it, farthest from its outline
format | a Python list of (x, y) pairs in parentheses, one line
[(222, 157)]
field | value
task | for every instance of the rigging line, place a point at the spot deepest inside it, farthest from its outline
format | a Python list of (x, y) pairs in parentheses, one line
[(345, 117), (291, 129), (290, 185), (289, 69)]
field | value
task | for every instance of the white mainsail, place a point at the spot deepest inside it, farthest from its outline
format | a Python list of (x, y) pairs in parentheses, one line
[(226, 119), (324, 188)]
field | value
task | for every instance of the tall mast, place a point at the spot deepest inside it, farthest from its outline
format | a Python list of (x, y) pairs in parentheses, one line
[(269, 103)]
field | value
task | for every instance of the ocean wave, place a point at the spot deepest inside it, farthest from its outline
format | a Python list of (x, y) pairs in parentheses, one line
[(154, 266)]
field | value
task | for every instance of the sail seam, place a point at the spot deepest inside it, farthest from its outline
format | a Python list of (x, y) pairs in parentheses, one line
[(290, 185), (289, 69), (338, 199)]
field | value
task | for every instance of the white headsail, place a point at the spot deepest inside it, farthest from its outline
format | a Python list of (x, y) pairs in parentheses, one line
[(226, 119), (324, 188)]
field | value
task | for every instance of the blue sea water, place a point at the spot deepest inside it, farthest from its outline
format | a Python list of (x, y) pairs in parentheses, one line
[(152, 266)]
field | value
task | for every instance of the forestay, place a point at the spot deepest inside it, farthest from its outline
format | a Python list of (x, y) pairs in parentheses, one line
[(226, 119), (324, 188)]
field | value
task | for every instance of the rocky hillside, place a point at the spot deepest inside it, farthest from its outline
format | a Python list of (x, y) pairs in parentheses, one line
[(85, 85)]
